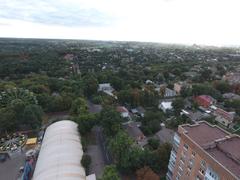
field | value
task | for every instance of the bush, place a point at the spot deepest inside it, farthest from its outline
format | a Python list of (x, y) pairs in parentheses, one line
[(86, 161), (153, 143)]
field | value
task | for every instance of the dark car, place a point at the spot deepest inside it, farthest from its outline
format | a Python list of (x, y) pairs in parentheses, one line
[(3, 157)]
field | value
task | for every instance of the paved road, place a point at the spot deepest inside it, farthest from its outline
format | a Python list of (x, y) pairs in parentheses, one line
[(10, 168), (94, 108), (99, 154)]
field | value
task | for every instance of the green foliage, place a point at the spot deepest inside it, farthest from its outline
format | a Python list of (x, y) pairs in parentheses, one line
[(153, 143), (151, 122), (163, 155), (120, 145), (110, 173), (178, 105), (79, 106), (19, 108), (86, 161), (90, 85), (85, 122), (206, 89), (32, 115), (97, 99), (234, 104), (175, 122), (110, 120), (222, 86)]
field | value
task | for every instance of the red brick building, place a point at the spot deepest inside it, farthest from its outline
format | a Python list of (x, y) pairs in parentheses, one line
[(204, 152)]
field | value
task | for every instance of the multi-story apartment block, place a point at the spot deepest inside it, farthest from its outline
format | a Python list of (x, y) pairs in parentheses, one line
[(204, 152)]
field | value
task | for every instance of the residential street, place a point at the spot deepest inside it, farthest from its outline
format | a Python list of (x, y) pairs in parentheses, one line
[(98, 153)]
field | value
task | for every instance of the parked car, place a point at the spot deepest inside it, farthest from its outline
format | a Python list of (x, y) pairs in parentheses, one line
[(3, 157)]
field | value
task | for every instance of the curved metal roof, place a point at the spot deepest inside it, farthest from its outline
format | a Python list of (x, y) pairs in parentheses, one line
[(61, 153)]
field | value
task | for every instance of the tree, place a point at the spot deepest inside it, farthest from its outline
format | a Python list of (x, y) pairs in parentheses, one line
[(222, 86), (110, 173), (79, 106), (178, 105), (85, 122), (151, 122), (86, 161), (153, 143), (146, 173), (120, 145), (163, 154), (90, 85), (32, 115), (110, 120)]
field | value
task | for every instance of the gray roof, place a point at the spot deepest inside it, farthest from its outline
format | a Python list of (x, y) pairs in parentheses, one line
[(165, 135)]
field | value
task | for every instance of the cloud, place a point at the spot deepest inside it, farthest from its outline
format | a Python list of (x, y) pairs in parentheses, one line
[(53, 12)]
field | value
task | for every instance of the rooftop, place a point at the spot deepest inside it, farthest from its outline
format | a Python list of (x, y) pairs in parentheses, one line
[(133, 130), (61, 153), (121, 109), (221, 145)]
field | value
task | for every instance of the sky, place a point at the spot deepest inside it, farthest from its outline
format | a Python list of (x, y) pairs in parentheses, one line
[(204, 22)]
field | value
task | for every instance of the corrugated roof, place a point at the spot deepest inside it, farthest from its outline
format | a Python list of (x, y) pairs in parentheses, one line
[(61, 153)]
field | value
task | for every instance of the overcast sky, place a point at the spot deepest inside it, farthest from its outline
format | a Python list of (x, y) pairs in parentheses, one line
[(209, 22)]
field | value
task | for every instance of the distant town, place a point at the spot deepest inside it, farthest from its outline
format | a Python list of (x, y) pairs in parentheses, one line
[(113, 110)]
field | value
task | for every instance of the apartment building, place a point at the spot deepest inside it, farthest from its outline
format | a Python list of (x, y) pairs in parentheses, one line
[(204, 152)]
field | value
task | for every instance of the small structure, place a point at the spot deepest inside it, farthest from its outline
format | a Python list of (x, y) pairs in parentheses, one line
[(135, 132), (106, 88), (224, 117), (169, 93), (204, 100), (123, 111), (165, 106), (31, 142), (139, 111), (149, 82)]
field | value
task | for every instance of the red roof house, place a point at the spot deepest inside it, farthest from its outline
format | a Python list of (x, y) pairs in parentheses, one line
[(204, 100)]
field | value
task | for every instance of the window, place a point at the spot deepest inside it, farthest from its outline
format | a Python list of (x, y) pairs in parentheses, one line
[(198, 178), (203, 163), (193, 154), (185, 146), (202, 171)]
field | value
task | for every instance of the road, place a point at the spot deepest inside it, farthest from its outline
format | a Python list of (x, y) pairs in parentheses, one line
[(99, 154), (10, 168)]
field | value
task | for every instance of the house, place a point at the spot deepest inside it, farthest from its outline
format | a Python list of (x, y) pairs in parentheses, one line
[(204, 100), (165, 106), (169, 93), (165, 135), (105, 87), (232, 78), (231, 96), (123, 111), (135, 133), (179, 86), (224, 117), (139, 111), (195, 116)]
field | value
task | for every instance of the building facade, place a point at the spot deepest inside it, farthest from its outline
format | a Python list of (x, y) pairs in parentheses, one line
[(204, 152)]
